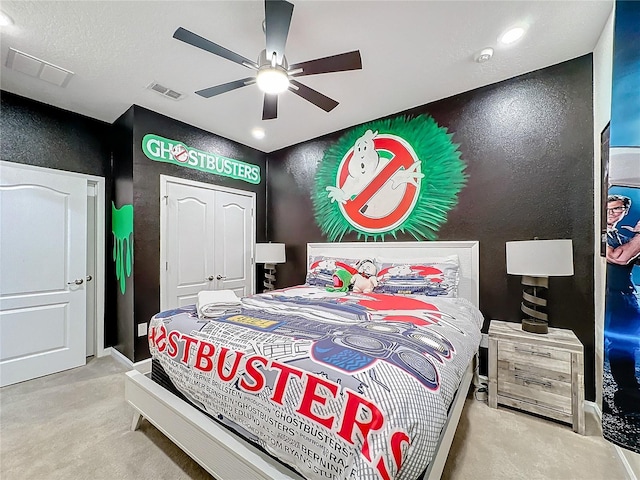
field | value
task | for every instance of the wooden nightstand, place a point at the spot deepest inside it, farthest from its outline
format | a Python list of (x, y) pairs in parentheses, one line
[(539, 373)]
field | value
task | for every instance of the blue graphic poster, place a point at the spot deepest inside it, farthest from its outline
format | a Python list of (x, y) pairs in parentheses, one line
[(621, 382)]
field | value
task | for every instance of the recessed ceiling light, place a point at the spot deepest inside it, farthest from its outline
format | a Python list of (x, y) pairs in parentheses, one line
[(5, 20), (512, 35), (258, 133)]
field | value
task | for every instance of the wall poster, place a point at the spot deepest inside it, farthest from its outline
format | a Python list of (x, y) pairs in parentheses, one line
[(604, 178), (621, 382), (396, 175)]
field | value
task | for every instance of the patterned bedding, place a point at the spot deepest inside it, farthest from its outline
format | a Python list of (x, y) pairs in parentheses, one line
[(337, 385)]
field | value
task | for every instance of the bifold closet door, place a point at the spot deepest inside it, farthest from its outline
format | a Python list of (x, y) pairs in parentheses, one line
[(189, 236), (209, 236), (234, 242)]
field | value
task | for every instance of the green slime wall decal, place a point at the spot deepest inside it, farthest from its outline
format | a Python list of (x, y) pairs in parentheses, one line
[(122, 228)]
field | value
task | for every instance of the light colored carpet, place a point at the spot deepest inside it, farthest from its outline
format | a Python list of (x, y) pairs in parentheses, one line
[(76, 425)]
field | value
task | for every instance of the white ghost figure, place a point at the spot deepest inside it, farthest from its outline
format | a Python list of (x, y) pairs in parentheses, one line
[(364, 165)]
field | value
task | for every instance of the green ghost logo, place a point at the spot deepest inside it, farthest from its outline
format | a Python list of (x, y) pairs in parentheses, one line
[(122, 228)]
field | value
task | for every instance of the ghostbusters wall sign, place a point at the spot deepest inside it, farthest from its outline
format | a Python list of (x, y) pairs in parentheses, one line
[(402, 174), (162, 149)]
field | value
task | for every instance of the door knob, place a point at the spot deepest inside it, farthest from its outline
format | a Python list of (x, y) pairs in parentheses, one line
[(220, 277), (209, 278), (77, 281), (89, 278)]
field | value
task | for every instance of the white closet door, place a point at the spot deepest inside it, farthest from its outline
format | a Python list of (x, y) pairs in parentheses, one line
[(43, 228), (234, 239), (207, 238), (189, 234)]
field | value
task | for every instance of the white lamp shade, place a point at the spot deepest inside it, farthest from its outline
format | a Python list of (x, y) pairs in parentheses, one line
[(270, 253), (540, 258)]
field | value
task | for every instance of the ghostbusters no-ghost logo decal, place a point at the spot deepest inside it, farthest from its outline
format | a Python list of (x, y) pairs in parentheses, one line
[(180, 153), (387, 176)]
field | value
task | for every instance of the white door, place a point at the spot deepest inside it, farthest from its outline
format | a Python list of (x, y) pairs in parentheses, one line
[(207, 237), (42, 273), (233, 243), (188, 233)]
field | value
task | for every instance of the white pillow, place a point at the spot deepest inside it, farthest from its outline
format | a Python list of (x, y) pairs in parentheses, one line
[(436, 277)]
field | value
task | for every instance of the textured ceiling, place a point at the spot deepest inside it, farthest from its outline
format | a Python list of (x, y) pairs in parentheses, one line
[(413, 52)]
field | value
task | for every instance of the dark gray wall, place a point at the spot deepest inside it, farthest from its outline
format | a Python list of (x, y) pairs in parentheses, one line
[(37, 134), (122, 191), (528, 145), (527, 142), (146, 202)]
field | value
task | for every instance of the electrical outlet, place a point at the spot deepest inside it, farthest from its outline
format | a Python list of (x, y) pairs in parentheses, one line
[(484, 340), (142, 329)]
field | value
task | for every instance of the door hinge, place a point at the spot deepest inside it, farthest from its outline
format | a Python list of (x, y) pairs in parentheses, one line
[(166, 265), (166, 199)]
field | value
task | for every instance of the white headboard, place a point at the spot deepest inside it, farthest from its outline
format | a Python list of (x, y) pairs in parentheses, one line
[(468, 253)]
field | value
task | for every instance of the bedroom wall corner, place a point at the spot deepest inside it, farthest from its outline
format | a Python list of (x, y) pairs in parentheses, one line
[(602, 82), (122, 288), (146, 202), (34, 133)]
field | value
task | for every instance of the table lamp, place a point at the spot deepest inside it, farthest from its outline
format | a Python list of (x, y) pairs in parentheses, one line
[(269, 254), (537, 260)]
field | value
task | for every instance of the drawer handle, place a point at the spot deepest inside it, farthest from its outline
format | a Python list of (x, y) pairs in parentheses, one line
[(539, 354), (528, 380)]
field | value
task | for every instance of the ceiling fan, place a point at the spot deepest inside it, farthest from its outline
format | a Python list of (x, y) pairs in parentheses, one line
[(273, 74)]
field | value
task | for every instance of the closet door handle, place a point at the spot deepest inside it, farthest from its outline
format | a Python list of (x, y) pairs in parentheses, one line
[(220, 277), (209, 278)]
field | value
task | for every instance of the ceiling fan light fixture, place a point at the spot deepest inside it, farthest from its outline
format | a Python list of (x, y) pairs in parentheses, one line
[(272, 80)]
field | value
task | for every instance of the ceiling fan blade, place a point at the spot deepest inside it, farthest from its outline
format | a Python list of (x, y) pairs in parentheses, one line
[(334, 63), (270, 108), (225, 87), (200, 42), (277, 19), (325, 103)]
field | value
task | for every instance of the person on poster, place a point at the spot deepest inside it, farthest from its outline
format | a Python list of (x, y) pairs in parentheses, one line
[(622, 315)]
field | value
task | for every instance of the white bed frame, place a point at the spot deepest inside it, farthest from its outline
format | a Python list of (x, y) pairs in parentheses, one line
[(227, 456)]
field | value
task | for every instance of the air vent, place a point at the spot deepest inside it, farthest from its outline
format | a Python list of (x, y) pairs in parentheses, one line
[(164, 91), (34, 67)]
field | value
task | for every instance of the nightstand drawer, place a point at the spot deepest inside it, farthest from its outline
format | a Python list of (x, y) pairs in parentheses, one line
[(535, 356), (536, 388)]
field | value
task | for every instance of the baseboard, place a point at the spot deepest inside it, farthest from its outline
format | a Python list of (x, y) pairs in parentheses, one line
[(143, 366), (104, 352), (625, 463), (593, 407)]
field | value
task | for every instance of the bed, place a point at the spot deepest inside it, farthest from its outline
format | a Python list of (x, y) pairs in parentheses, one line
[(309, 383)]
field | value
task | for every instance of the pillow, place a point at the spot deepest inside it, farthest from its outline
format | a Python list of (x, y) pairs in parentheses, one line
[(320, 269), (437, 277)]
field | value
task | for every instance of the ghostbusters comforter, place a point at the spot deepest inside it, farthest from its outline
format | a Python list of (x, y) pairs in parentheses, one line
[(337, 385)]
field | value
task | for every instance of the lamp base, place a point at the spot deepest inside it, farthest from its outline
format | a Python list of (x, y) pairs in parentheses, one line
[(269, 277), (536, 320), (535, 326)]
